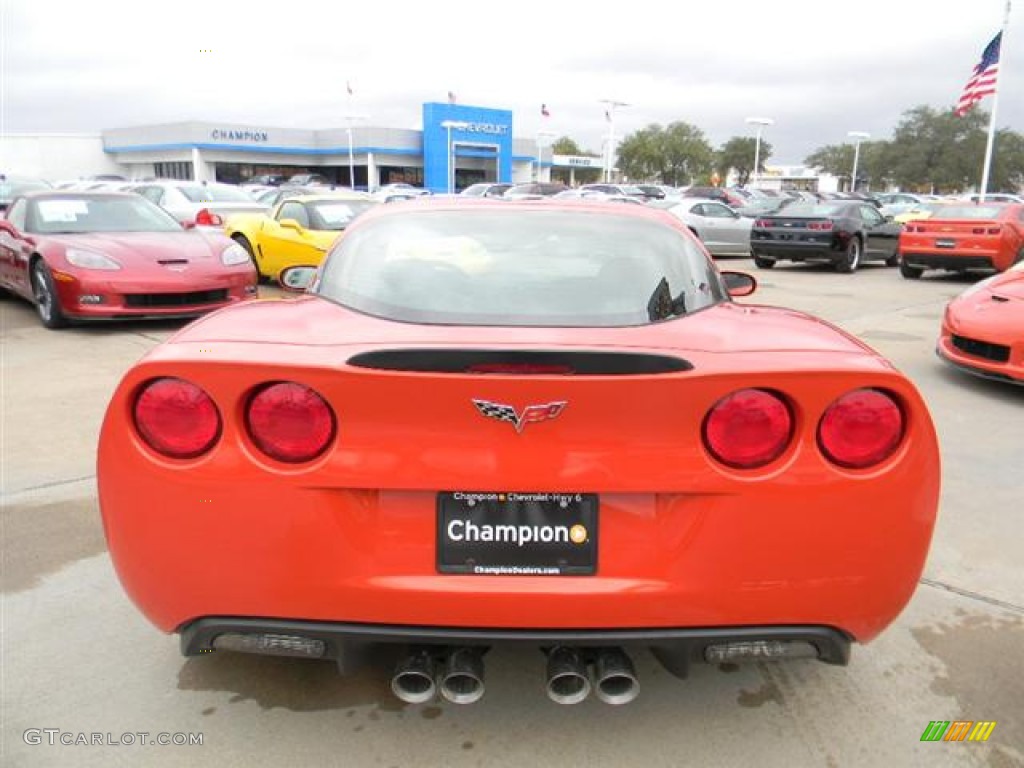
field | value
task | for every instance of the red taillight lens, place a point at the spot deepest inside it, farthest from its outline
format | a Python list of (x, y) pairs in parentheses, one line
[(207, 218), (748, 429), (993, 231), (861, 428), (176, 418), (821, 225), (290, 422), (762, 223)]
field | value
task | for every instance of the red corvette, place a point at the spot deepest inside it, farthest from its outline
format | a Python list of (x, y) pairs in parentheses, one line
[(542, 423), (98, 255), (958, 238), (983, 328)]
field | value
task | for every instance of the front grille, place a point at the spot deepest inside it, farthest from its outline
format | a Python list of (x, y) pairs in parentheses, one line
[(175, 299), (995, 352)]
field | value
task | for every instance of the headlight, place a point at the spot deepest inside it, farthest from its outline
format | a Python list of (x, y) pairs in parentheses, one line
[(90, 259), (234, 254)]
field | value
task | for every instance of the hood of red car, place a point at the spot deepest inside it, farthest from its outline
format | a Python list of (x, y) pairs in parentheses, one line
[(148, 249), (1009, 285)]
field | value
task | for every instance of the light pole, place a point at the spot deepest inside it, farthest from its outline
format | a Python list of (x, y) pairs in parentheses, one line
[(761, 123), (349, 119), (609, 114), (858, 137), (458, 125), (543, 140)]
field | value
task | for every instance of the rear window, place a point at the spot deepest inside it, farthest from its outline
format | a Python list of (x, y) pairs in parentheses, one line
[(971, 211), (814, 210), (520, 268), (215, 194)]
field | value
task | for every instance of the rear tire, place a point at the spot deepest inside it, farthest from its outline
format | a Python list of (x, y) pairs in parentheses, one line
[(45, 294), (851, 258), (894, 260), (762, 263), (909, 272)]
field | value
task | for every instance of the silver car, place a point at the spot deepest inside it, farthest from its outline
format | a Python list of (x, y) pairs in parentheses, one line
[(723, 231), (204, 204)]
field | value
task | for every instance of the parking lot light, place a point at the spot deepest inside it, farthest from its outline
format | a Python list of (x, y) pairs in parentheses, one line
[(858, 137)]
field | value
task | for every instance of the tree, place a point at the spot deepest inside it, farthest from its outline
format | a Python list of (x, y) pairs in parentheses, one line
[(673, 155), (873, 164), (737, 154)]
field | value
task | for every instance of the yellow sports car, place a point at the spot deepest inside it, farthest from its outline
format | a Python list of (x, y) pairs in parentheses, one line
[(920, 211), (298, 230)]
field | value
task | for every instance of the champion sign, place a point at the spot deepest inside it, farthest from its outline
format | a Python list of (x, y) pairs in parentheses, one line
[(520, 535), (222, 134)]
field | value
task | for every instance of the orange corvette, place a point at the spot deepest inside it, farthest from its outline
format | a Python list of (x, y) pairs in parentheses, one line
[(542, 423), (983, 328), (962, 237)]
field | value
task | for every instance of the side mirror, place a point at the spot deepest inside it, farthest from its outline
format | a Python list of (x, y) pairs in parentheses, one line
[(290, 224), (739, 283), (298, 278)]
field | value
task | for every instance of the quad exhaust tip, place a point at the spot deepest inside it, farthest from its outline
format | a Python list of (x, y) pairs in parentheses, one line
[(462, 681), (413, 681), (615, 680), (567, 681)]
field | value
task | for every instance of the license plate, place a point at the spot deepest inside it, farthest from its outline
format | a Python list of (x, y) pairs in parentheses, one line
[(529, 534), (945, 242)]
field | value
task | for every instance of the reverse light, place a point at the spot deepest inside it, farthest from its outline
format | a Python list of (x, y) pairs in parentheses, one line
[(290, 422), (270, 644), (176, 418), (760, 649), (860, 429), (90, 259), (748, 429), (207, 218)]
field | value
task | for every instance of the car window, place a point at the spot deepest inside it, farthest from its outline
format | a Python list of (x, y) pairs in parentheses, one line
[(153, 194), (214, 193), (293, 210), (335, 215), (16, 214), (718, 211), (519, 268), (870, 215), (73, 215)]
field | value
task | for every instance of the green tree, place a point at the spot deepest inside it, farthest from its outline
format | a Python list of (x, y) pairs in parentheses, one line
[(674, 155), (872, 166), (737, 154)]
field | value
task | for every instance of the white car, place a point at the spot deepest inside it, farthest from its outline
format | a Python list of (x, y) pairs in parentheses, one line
[(203, 204), (723, 231)]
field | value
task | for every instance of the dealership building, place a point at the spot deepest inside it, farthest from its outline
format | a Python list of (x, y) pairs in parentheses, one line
[(458, 146)]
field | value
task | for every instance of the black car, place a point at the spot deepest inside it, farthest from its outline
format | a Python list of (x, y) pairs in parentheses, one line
[(841, 232)]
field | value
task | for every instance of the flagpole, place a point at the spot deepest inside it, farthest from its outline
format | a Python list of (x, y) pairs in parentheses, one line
[(983, 190)]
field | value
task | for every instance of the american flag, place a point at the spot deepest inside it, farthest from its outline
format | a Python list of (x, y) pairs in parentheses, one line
[(983, 78)]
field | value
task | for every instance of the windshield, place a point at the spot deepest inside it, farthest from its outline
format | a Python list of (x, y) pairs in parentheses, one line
[(128, 213), (215, 193), (337, 214), (520, 268)]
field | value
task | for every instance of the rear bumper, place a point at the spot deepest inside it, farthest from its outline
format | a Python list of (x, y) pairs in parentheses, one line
[(795, 251), (676, 649), (948, 261)]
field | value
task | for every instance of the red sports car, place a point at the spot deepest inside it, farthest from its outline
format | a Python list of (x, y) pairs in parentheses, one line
[(962, 237), (983, 328), (99, 255), (542, 423)]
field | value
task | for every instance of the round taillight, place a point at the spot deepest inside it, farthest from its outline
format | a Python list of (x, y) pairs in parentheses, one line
[(176, 418), (861, 428), (290, 422), (748, 429)]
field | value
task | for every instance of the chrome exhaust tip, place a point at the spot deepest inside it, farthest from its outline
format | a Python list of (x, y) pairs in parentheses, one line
[(615, 677), (413, 681), (462, 681), (567, 681)]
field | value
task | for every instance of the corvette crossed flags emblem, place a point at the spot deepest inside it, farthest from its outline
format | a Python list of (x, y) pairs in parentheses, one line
[(530, 414)]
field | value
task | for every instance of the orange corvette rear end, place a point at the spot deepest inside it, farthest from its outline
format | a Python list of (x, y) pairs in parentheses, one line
[(962, 237), (506, 456)]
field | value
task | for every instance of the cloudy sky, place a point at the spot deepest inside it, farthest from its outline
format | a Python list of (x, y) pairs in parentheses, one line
[(818, 68)]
